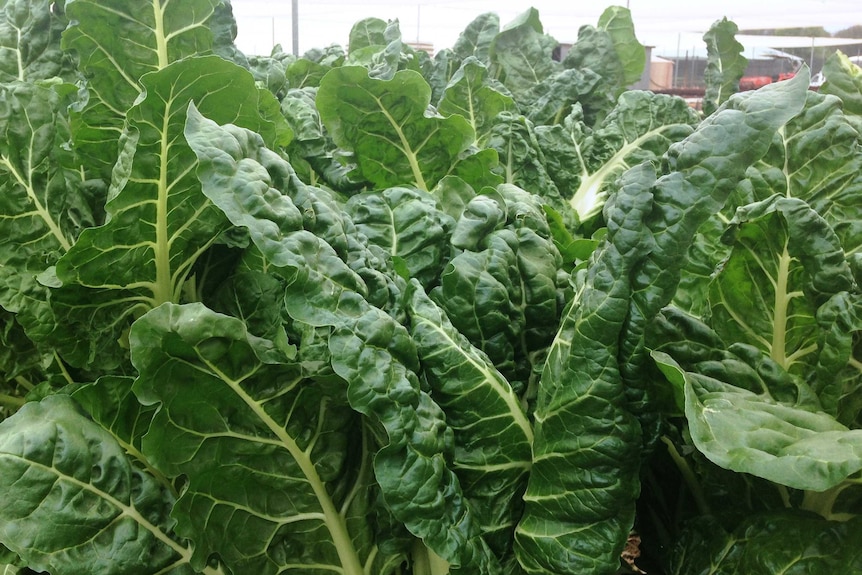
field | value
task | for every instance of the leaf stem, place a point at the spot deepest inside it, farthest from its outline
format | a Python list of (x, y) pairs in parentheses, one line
[(11, 401), (426, 562), (687, 476), (822, 502)]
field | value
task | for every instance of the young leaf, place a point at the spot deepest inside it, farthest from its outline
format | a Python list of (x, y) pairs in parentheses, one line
[(107, 516)]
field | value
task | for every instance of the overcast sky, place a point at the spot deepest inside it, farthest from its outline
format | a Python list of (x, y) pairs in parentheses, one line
[(263, 23)]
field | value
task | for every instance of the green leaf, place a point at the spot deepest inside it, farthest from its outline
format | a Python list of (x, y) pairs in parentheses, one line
[(553, 99), (617, 22), (407, 224), (817, 158), (30, 41), (522, 160), (477, 38), (159, 222), (43, 203), (610, 49), (106, 515), (473, 95), (725, 64), (790, 260), (384, 123), (367, 32), (705, 168), (500, 291), (368, 348), (759, 546), (579, 504), (521, 54), (115, 47), (263, 432), (752, 433), (844, 79), (492, 434), (640, 128), (377, 356), (838, 381)]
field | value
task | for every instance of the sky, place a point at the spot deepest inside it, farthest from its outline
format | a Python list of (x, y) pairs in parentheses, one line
[(263, 23)]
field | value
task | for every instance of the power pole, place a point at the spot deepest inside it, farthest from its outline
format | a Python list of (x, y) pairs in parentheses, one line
[(294, 21)]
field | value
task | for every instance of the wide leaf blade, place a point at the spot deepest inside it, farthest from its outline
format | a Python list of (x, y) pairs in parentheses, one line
[(384, 124), (59, 468)]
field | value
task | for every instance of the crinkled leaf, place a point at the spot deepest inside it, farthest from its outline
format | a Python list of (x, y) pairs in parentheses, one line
[(407, 224), (789, 260), (264, 432), (30, 41), (159, 222), (43, 203), (725, 64), (705, 168), (759, 546), (106, 514), (521, 55), (640, 128), (554, 98), (377, 356), (368, 347), (838, 381), (503, 284), (473, 95), (610, 49), (492, 464), (477, 38), (116, 45), (817, 158), (384, 123), (522, 160), (844, 79), (579, 504)]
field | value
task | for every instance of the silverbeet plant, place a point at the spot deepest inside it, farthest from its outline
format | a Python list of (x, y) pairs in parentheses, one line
[(372, 312)]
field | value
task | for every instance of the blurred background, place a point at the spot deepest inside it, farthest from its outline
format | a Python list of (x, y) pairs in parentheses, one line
[(778, 36)]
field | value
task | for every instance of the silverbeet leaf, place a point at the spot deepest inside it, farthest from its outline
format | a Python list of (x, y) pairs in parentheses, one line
[(59, 468), (385, 123), (116, 45), (492, 434), (159, 223), (272, 485), (579, 504), (369, 349)]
